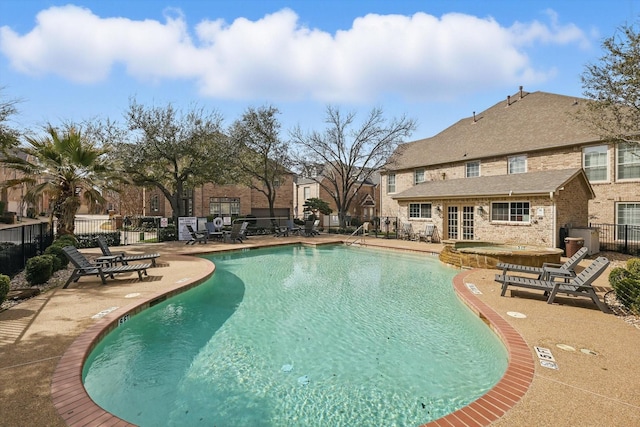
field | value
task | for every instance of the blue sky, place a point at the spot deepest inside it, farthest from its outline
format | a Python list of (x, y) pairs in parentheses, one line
[(433, 60)]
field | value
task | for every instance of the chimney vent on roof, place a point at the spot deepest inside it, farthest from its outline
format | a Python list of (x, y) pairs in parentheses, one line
[(521, 94), (508, 100), (474, 117)]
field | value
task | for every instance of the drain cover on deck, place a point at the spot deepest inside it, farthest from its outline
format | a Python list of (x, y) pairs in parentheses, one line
[(565, 347), (516, 314)]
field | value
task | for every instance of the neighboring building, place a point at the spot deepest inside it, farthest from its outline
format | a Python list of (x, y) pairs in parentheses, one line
[(522, 171), (364, 207), (224, 200), (13, 198)]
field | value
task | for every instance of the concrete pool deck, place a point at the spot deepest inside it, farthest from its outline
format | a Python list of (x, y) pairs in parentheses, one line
[(587, 390)]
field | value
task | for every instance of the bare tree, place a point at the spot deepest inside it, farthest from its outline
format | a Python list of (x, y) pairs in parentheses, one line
[(612, 87), (262, 158), (349, 154)]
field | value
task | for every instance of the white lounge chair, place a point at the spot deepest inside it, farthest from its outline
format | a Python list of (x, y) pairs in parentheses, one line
[(427, 233)]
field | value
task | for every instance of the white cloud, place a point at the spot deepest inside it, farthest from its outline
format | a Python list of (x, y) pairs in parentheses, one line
[(417, 57), (536, 32)]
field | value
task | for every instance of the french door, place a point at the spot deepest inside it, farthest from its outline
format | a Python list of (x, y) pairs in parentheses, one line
[(460, 222)]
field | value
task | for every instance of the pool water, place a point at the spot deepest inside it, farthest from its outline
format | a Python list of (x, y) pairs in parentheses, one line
[(297, 336)]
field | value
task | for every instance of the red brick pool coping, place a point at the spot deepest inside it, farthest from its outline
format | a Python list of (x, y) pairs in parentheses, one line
[(77, 409), (514, 383)]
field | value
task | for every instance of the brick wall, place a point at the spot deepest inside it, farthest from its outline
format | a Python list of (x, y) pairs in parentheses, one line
[(602, 209), (571, 207)]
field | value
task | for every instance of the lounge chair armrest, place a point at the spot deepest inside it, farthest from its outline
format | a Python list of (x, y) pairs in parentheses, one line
[(93, 267), (551, 264)]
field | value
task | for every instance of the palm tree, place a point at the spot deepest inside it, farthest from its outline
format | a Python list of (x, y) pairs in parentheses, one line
[(66, 167)]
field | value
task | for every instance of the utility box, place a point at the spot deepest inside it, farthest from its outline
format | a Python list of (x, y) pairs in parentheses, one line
[(591, 238)]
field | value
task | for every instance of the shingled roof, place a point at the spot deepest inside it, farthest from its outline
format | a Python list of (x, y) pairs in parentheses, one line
[(521, 184), (531, 122)]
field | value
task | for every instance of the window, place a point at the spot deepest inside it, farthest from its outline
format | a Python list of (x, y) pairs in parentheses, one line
[(517, 164), (224, 206), (594, 163), (472, 169), (628, 222), (510, 211), (391, 183), (418, 176), (628, 161), (307, 193), (154, 203), (419, 210)]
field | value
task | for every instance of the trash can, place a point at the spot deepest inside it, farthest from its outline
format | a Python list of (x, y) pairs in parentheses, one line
[(118, 221), (572, 245)]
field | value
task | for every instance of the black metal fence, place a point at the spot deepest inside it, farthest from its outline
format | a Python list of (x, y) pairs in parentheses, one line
[(621, 238), (18, 244), (385, 227)]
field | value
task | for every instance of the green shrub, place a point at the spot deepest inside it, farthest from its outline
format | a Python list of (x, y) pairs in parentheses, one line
[(633, 265), (617, 274), (90, 240), (60, 260), (626, 283), (168, 233), (39, 269), (5, 284), (66, 240)]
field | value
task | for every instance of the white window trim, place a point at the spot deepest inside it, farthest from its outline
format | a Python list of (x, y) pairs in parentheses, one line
[(415, 176), (466, 175), (394, 183), (526, 166), (420, 209), (608, 178), (618, 179), (634, 237), (509, 202)]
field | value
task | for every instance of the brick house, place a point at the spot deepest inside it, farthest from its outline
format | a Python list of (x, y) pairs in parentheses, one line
[(224, 200), (521, 171), (13, 199), (365, 205)]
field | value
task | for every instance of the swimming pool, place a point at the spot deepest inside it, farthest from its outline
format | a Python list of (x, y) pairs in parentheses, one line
[(301, 336)]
